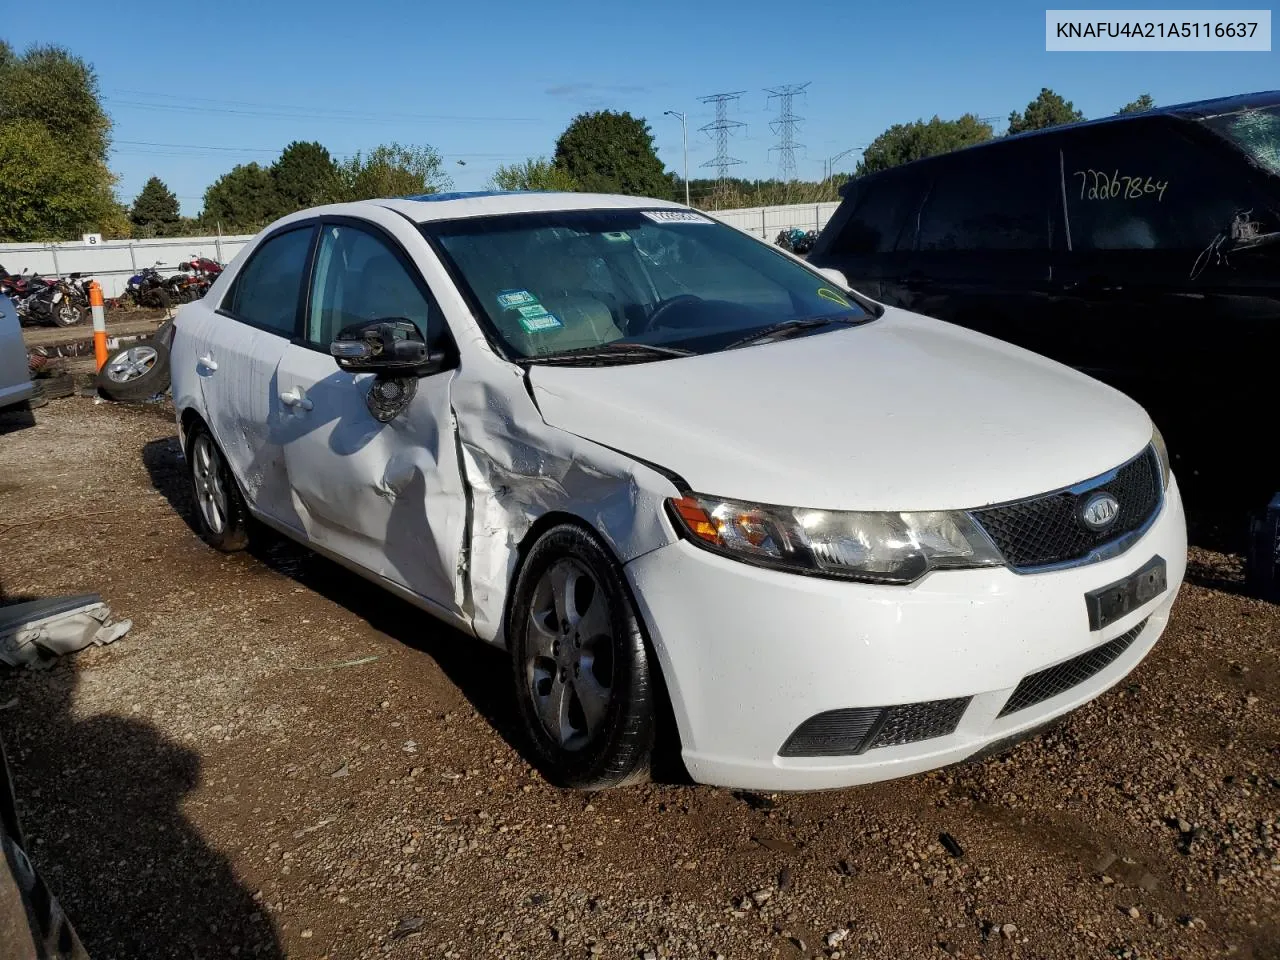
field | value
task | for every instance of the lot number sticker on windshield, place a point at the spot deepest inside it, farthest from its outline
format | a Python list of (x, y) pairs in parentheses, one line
[(516, 298), (540, 322), (675, 216)]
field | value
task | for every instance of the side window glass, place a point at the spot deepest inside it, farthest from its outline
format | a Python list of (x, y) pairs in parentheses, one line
[(993, 200), (357, 279), (266, 292), (880, 221), (1147, 187)]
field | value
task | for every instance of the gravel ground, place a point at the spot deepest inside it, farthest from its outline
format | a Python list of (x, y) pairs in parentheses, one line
[(279, 760)]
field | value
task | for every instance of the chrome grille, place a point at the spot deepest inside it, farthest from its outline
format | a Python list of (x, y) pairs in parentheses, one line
[(1047, 530)]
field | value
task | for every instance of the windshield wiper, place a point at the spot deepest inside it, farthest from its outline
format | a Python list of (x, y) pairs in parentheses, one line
[(790, 328), (615, 351)]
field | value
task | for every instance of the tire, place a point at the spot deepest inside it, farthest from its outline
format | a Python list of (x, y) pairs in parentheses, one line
[(221, 515), (135, 372), (573, 670), (54, 388), (67, 313)]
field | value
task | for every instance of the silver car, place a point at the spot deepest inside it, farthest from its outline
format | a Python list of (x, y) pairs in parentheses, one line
[(15, 382)]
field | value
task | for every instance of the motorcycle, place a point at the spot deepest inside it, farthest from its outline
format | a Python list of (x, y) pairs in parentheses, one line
[(797, 240), (197, 277), (148, 288)]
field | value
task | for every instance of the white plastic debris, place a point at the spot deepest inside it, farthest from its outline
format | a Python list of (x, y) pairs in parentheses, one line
[(33, 633)]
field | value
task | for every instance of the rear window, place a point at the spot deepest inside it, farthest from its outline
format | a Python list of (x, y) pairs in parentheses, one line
[(1146, 186)]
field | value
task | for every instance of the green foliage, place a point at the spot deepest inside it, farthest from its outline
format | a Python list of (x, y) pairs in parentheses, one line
[(241, 201), (392, 170), (904, 142), (155, 211), (45, 192), (608, 152), (1046, 110), (1141, 105), (54, 180), (533, 174), (304, 176)]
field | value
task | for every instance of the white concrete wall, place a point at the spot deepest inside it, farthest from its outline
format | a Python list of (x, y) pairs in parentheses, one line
[(113, 262)]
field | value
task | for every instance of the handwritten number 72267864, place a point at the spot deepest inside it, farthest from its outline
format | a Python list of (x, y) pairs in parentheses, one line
[(1099, 185)]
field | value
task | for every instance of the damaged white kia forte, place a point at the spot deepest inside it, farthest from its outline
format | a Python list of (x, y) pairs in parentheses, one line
[(675, 471)]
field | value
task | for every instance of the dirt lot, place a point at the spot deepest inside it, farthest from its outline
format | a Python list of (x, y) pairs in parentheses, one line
[(278, 760)]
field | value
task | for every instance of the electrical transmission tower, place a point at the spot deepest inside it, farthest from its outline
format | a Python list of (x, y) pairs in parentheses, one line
[(722, 126), (785, 127)]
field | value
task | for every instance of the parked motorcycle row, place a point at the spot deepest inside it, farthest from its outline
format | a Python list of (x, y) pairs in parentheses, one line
[(149, 288), (64, 301), (55, 301)]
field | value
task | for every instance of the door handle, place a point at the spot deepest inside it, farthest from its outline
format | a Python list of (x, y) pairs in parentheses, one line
[(207, 363), (295, 398)]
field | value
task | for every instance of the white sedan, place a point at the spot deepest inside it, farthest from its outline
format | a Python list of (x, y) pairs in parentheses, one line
[(666, 465)]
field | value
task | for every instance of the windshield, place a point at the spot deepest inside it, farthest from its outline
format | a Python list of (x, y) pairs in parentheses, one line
[(550, 283), (1256, 132)]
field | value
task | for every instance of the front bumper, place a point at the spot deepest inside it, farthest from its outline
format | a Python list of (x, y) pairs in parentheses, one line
[(749, 654)]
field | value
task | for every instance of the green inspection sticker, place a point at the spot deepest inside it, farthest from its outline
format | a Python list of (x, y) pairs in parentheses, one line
[(533, 310), (540, 323), (515, 298)]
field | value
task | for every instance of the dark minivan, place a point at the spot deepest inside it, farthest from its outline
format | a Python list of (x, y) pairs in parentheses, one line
[(1140, 249)]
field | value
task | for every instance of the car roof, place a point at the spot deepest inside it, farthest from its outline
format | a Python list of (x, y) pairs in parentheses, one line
[(1194, 110), (483, 203)]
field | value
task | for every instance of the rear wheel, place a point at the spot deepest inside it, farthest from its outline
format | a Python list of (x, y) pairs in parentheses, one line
[(221, 514), (583, 675)]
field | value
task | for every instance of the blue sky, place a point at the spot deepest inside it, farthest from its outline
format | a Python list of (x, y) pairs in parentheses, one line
[(194, 90)]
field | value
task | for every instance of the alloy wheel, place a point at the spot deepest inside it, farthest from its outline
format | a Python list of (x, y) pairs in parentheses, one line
[(131, 364), (570, 652), (206, 471)]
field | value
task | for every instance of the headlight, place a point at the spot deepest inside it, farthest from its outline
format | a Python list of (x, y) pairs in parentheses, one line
[(882, 547), (1162, 454)]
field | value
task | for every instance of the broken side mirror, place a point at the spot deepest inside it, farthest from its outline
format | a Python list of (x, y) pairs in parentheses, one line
[(390, 347)]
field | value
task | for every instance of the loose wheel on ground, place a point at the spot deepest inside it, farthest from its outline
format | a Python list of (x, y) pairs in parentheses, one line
[(585, 682), (135, 372)]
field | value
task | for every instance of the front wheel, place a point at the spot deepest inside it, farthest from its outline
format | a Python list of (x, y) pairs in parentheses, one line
[(67, 313), (584, 680)]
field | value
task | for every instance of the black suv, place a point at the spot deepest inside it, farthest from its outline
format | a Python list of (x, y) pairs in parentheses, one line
[(1140, 249)]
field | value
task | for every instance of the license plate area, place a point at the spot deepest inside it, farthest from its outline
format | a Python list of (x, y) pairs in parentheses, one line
[(1108, 604)]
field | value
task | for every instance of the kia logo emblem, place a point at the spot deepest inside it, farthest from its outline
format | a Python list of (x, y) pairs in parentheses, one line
[(1100, 511)]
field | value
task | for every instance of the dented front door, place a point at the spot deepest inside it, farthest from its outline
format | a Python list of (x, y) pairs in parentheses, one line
[(386, 496)]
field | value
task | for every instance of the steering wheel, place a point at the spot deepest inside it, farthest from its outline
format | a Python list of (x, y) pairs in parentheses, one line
[(666, 306)]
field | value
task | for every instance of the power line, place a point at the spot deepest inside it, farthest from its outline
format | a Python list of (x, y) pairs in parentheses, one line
[(723, 127), (785, 127), (312, 113)]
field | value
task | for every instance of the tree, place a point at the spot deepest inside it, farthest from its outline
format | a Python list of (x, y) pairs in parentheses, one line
[(54, 179), (155, 210), (305, 176), (392, 170), (904, 142), (1141, 105), (244, 199), (533, 174), (608, 152), (1046, 110)]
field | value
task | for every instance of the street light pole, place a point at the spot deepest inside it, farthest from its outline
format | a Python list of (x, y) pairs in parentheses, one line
[(684, 136)]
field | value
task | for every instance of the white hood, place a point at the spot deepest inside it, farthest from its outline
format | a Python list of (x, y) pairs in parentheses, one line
[(905, 413)]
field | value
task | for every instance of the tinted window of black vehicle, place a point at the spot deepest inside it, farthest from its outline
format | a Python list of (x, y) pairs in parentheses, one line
[(988, 200), (881, 208), (1148, 187)]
